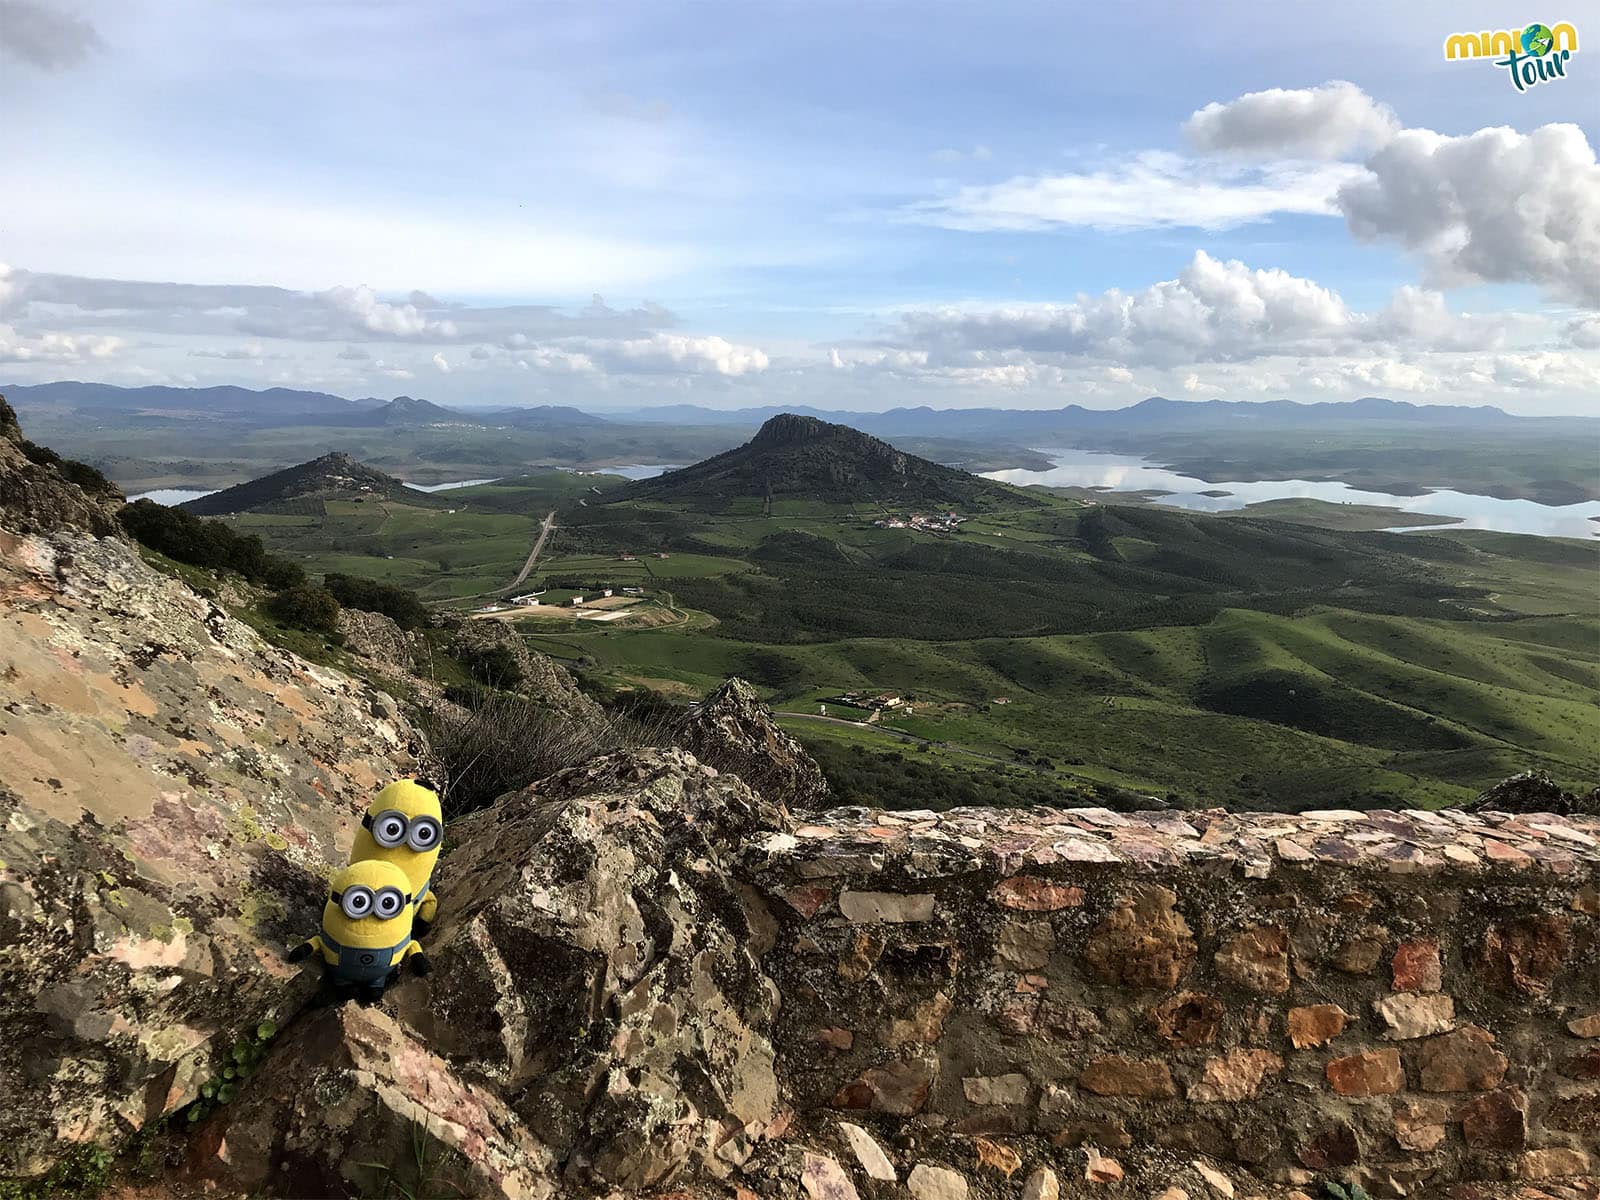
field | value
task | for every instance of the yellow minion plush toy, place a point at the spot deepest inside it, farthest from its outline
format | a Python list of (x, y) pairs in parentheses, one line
[(366, 931), (404, 825)]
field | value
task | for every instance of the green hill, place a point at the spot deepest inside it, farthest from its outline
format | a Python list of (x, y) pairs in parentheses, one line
[(801, 458), (334, 476)]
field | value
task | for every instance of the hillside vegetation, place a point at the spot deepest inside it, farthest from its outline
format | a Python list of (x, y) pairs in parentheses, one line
[(1044, 646), (801, 457)]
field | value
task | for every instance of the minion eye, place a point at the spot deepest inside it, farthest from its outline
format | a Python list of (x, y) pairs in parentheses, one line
[(389, 902), (424, 834), (389, 829), (357, 902)]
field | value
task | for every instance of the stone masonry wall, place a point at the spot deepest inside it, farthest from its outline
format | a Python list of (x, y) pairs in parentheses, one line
[(1408, 999)]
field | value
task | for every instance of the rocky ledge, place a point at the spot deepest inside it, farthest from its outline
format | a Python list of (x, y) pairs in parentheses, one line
[(1397, 842)]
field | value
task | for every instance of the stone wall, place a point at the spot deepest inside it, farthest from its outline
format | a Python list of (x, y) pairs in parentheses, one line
[(1406, 999)]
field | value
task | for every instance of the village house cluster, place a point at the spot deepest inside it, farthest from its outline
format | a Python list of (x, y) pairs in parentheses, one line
[(927, 523)]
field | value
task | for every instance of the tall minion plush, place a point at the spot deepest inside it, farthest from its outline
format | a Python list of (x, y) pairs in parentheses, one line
[(404, 825), (366, 931)]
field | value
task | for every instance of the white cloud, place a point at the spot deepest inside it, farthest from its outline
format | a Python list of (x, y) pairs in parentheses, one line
[(1552, 369), (1495, 205), (1584, 333), (1191, 382), (334, 314), (1383, 376), (1154, 190), (1119, 375), (363, 308), (676, 353), (442, 363), (1213, 311), (1321, 122), (50, 347), (548, 358)]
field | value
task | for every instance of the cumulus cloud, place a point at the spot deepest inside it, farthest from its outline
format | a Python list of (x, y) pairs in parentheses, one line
[(1584, 333), (362, 306), (1320, 122), (1554, 370), (442, 363), (16, 347), (1383, 376), (550, 358), (1495, 205), (676, 353), (43, 36), (1154, 190), (1214, 310)]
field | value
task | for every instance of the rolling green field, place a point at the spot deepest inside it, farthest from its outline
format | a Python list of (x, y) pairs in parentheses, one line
[(464, 542), (1067, 650)]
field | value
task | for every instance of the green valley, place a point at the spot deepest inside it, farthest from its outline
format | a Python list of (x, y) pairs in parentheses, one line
[(976, 639)]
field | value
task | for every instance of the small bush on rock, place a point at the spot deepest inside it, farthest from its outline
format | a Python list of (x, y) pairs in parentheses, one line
[(185, 537), (305, 607), (397, 603), (507, 741)]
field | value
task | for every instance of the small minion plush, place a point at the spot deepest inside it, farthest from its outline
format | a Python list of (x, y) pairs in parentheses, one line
[(366, 931), (404, 825)]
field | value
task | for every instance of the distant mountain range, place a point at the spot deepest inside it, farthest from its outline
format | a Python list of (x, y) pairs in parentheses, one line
[(798, 457), (333, 476), (1157, 414), (286, 406)]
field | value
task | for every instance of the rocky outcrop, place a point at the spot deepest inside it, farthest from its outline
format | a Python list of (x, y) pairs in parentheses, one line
[(595, 1018), (351, 1103), (376, 637), (733, 731), (41, 492), (534, 675), (1535, 792), (172, 792)]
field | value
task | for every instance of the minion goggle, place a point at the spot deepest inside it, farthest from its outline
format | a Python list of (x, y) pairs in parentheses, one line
[(392, 828), (358, 901)]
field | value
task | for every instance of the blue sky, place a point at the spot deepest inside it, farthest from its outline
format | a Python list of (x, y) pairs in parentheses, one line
[(857, 205)]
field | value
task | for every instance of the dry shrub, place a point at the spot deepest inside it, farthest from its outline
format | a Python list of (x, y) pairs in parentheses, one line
[(507, 740)]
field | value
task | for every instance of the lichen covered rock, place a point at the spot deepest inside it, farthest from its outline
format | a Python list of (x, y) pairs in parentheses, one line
[(732, 730), (172, 792), (597, 962), (376, 637), (352, 1103), (40, 492)]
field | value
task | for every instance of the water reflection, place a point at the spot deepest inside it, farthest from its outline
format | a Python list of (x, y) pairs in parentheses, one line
[(1124, 473), (173, 496)]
